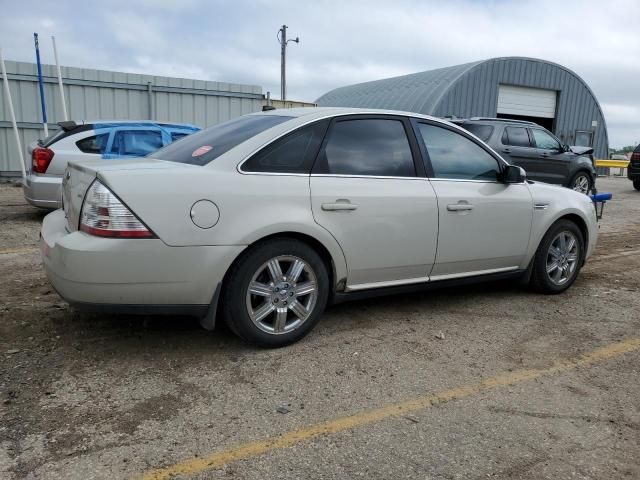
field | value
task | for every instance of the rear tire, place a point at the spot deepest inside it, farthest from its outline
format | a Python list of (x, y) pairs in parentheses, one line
[(275, 293), (636, 183), (558, 258), (581, 182)]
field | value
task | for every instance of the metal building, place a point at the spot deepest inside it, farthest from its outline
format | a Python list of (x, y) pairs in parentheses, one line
[(510, 87), (105, 95)]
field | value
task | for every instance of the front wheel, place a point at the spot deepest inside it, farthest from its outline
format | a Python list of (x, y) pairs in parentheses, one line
[(636, 184), (558, 258), (275, 293), (581, 182)]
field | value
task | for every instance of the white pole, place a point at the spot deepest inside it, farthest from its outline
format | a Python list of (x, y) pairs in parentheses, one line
[(64, 103), (13, 116)]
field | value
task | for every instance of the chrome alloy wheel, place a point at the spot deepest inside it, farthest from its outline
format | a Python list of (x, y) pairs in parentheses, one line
[(282, 294), (581, 184), (562, 257)]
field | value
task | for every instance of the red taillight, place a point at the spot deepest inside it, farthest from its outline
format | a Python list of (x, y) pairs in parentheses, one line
[(41, 158), (635, 157), (104, 215)]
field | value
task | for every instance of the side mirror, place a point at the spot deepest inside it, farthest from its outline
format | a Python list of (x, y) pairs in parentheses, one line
[(513, 174)]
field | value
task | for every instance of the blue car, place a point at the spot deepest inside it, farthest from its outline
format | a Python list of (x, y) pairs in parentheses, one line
[(91, 140)]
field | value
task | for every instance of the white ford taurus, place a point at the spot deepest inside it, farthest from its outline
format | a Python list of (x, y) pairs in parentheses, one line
[(265, 219)]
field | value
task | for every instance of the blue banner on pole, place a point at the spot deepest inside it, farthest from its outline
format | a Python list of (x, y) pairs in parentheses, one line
[(40, 82)]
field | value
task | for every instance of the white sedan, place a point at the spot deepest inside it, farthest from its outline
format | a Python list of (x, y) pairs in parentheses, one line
[(266, 219)]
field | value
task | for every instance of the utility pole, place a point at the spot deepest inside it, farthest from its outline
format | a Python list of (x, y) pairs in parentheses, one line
[(282, 37)]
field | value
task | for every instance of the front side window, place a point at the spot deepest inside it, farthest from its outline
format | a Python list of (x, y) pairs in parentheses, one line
[(136, 142), (293, 153), (94, 144), (371, 147), (456, 157), (516, 137), (544, 140), (206, 145)]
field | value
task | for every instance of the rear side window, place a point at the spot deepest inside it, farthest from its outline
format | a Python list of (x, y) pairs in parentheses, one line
[(136, 142), (456, 157), (516, 137), (95, 144), (206, 145), (293, 153), (483, 132), (375, 147)]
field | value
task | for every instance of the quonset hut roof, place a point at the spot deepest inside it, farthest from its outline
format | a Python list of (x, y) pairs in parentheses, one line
[(418, 92), (471, 90)]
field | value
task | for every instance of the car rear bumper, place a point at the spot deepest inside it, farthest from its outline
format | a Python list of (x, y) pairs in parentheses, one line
[(131, 275), (633, 172), (43, 190)]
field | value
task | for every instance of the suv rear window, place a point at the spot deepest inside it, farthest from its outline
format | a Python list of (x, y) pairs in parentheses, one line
[(206, 145), (483, 132)]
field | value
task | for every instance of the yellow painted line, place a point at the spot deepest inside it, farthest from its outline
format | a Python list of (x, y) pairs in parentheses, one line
[(253, 449), (7, 251), (612, 163)]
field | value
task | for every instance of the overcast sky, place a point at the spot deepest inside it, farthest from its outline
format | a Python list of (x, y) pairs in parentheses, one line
[(341, 42)]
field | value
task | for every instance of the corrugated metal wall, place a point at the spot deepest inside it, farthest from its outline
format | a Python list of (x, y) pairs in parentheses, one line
[(105, 95), (476, 94)]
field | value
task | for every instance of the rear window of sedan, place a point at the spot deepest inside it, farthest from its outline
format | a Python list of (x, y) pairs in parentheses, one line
[(206, 145)]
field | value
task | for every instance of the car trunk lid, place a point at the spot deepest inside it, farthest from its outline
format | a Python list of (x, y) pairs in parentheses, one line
[(79, 176)]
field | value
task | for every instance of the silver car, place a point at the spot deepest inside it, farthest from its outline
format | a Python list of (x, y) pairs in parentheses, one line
[(74, 142), (266, 219)]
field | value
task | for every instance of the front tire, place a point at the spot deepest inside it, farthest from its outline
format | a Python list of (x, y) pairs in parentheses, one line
[(581, 182), (636, 183), (558, 258), (276, 293)]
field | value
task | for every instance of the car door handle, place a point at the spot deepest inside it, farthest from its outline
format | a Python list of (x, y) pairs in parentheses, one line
[(459, 207), (506, 150), (545, 155), (339, 205)]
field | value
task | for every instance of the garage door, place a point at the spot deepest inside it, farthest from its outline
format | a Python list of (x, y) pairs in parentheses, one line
[(526, 102)]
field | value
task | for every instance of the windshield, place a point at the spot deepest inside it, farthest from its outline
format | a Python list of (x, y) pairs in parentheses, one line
[(203, 147)]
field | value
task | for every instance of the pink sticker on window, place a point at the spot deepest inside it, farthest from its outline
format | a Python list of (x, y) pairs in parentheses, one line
[(201, 151)]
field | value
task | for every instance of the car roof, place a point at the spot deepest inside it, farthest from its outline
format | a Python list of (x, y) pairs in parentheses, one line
[(322, 112), (490, 120)]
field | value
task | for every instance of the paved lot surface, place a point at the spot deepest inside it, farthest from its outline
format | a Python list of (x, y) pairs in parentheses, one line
[(372, 393)]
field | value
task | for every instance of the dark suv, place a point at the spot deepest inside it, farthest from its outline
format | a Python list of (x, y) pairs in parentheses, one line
[(537, 150), (633, 172)]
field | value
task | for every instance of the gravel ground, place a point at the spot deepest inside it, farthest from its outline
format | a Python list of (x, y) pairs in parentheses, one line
[(93, 396)]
